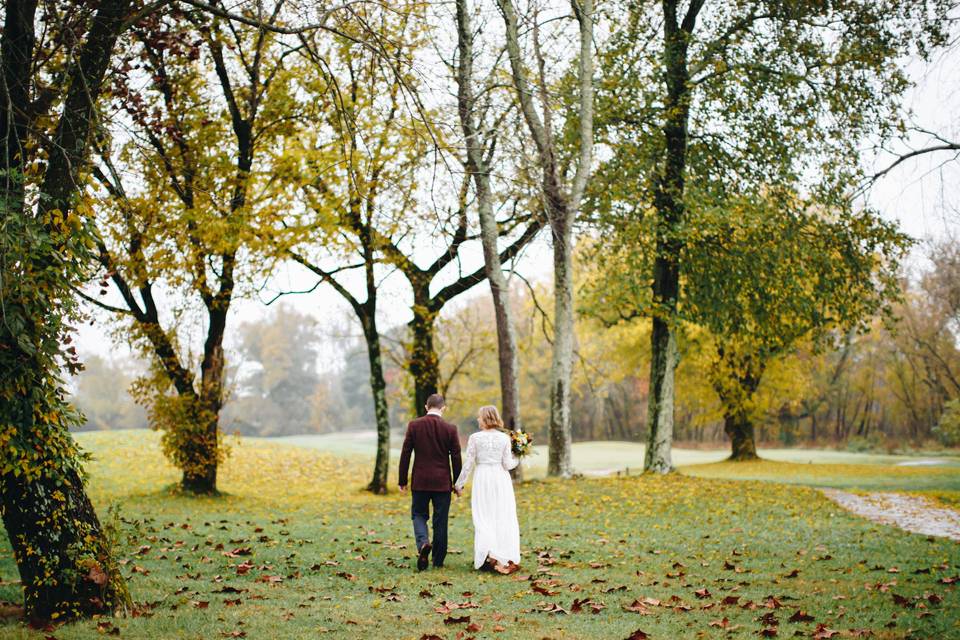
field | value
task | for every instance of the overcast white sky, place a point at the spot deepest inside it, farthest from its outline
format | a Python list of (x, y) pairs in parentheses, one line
[(919, 195)]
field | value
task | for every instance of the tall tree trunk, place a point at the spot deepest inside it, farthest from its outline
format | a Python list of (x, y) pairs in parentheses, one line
[(562, 205), (660, 409), (559, 462), (62, 555), (378, 387), (668, 200), (423, 363), (477, 167)]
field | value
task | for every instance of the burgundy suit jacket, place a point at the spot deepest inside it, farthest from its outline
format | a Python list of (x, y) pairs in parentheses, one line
[(435, 445)]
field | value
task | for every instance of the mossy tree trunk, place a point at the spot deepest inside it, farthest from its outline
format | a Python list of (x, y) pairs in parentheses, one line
[(423, 361), (378, 387), (668, 196)]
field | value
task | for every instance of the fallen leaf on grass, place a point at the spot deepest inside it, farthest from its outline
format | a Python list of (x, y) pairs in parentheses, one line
[(800, 616), (639, 634), (768, 632), (823, 633), (452, 620), (551, 607)]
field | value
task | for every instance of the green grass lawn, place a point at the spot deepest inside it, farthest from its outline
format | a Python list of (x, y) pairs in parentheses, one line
[(294, 549)]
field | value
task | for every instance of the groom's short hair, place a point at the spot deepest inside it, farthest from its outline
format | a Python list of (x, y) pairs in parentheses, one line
[(435, 401)]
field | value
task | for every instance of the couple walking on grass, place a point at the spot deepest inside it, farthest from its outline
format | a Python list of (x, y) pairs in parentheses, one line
[(435, 446)]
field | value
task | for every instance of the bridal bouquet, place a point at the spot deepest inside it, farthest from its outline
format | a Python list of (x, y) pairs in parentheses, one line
[(522, 443)]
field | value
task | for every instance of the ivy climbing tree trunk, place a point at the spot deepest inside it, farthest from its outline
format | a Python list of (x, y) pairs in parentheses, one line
[(669, 204), (62, 554)]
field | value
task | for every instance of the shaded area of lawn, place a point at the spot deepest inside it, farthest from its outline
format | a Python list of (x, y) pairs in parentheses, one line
[(296, 550)]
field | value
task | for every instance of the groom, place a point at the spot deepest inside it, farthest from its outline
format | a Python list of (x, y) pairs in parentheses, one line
[(435, 445)]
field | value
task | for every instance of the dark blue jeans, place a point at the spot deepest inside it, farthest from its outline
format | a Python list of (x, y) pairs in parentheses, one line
[(420, 511)]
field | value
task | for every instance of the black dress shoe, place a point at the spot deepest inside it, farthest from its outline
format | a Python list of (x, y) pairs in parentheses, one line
[(424, 558)]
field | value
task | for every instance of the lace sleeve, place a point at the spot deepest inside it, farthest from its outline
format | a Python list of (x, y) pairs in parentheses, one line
[(469, 461), (509, 460)]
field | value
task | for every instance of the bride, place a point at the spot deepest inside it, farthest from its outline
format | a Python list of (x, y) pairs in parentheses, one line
[(496, 543)]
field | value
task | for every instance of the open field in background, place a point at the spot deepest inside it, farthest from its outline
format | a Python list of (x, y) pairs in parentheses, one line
[(604, 458), (294, 549)]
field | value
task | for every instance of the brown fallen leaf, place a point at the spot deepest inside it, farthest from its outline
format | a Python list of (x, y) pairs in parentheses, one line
[(800, 616), (552, 607), (902, 601), (823, 633), (460, 620), (637, 607), (639, 634), (768, 632)]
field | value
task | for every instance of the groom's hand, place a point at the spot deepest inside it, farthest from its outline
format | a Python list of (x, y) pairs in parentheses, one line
[(459, 492), (403, 488)]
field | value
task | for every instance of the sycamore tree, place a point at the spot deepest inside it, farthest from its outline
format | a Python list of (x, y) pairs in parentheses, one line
[(183, 197), (562, 139), (705, 105)]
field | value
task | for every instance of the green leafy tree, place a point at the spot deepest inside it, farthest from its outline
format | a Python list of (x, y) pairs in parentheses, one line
[(185, 205), (704, 105)]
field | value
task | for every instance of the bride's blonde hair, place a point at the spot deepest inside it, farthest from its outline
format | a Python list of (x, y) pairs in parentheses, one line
[(489, 418)]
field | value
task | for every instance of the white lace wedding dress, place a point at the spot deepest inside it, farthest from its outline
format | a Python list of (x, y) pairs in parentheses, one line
[(496, 530)]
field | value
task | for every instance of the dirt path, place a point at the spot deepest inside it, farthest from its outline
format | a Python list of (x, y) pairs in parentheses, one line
[(910, 513)]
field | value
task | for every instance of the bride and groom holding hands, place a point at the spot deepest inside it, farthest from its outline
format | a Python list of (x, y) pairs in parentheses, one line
[(435, 446)]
